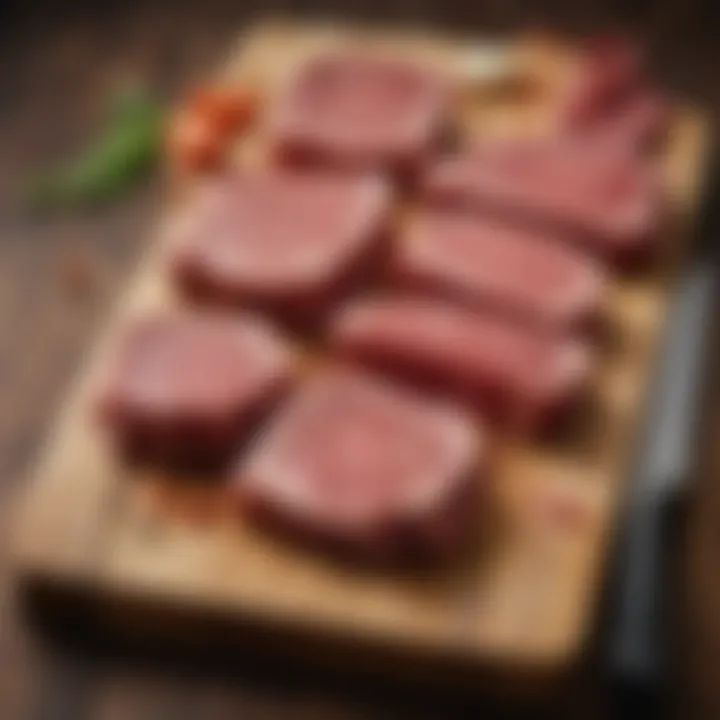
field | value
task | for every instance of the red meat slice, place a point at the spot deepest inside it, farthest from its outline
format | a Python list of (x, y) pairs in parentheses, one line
[(367, 467), (188, 386), (524, 380), (284, 241), (638, 125), (609, 97), (602, 200), (483, 262), (356, 111), (610, 68)]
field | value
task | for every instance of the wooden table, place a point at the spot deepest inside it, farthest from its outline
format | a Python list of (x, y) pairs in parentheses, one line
[(58, 278)]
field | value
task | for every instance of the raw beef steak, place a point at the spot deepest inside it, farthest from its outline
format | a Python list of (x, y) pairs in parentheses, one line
[(522, 379), (360, 111), (635, 127), (610, 95), (483, 262), (367, 467), (608, 70), (601, 199), (189, 386), (289, 242)]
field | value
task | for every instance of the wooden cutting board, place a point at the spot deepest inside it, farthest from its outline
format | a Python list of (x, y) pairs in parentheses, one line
[(152, 555)]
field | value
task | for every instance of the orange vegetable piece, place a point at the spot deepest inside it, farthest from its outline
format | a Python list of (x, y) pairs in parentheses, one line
[(203, 130), (194, 144), (227, 110)]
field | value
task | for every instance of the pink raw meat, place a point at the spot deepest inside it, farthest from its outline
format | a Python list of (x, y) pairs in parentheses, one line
[(609, 69), (360, 111), (483, 263), (367, 467), (524, 380), (597, 197), (285, 241), (189, 386), (636, 126), (610, 97)]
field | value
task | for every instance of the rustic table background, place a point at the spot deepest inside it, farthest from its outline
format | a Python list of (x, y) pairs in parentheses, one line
[(58, 278)]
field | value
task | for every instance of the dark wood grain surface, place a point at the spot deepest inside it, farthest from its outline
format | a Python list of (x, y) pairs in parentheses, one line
[(59, 275)]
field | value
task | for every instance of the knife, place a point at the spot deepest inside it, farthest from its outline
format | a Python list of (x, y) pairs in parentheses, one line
[(638, 643)]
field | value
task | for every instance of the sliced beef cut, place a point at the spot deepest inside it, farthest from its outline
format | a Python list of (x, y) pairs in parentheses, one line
[(610, 97), (486, 263), (360, 111), (635, 127), (289, 242), (187, 387), (523, 380), (599, 198), (367, 467), (608, 70)]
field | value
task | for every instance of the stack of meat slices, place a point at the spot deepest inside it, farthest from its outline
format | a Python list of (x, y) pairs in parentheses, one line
[(479, 312)]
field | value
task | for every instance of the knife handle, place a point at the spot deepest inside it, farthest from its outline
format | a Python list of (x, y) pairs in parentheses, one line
[(638, 644)]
